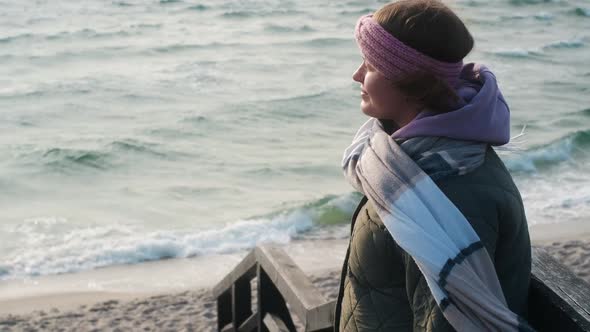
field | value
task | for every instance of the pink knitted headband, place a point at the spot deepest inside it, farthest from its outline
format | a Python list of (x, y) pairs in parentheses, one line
[(395, 59)]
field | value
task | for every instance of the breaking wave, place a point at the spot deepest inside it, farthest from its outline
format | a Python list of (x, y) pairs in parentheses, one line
[(564, 149), (76, 249)]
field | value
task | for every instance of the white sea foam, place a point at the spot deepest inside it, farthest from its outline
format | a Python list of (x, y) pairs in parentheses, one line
[(555, 199), (54, 246)]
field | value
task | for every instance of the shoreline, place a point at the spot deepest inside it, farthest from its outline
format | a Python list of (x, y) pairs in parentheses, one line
[(128, 282), (144, 297), (545, 234)]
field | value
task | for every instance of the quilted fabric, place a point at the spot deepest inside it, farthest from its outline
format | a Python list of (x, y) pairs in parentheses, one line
[(382, 289)]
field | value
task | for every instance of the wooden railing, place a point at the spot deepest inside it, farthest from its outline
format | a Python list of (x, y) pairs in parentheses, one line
[(279, 282), (558, 300)]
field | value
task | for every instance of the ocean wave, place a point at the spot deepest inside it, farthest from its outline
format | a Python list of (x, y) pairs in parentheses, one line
[(528, 2), (59, 56), (517, 53), (135, 146), (122, 4), (77, 249), (564, 149), (105, 157), (580, 11), (285, 29), (189, 47), (299, 98), (304, 169), (89, 34), (540, 16), (327, 42), (81, 86), (146, 26), (68, 159), (357, 12), (198, 7), (249, 13), (66, 35), (572, 43), (179, 132), (197, 119), (13, 38), (513, 17)]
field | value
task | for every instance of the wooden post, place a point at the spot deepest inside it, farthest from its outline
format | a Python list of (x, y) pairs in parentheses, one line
[(241, 301), (270, 300), (224, 309)]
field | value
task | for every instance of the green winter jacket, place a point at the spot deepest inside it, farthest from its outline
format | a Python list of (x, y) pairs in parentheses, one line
[(382, 289)]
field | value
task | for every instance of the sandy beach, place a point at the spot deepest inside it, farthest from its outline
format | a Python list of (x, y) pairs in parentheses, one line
[(148, 145), (194, 309)]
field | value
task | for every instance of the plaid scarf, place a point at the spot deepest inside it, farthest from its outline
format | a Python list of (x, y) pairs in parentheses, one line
[(427, 225)]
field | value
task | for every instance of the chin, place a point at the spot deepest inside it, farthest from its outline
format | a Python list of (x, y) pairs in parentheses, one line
[(370, 111), (367, 109)]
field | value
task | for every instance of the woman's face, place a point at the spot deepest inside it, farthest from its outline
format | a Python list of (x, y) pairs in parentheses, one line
[(380, 99)]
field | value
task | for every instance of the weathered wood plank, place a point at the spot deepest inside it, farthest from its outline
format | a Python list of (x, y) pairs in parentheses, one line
[(558, 300), (229, 328), (321, 317), (274, 323), (247, 268), (305, 301), (270, 300), (249, 324)]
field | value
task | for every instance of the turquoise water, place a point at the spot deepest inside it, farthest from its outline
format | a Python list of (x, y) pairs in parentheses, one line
[(143, 130)]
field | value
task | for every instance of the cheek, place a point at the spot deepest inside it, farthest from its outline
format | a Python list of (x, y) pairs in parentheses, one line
[(383, 95)]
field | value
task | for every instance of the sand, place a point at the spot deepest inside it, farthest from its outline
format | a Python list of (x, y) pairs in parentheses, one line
[(195, 310), (184, 311)]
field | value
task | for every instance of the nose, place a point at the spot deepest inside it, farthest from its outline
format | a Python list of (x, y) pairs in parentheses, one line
[(359, 74)]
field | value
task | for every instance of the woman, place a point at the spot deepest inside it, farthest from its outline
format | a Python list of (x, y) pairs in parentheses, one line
[(440, 240)]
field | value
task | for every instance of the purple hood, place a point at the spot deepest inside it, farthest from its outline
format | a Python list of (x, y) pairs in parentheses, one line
[(481, 115)]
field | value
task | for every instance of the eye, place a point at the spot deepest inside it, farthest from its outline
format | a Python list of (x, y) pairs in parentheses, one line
[(368, 66)]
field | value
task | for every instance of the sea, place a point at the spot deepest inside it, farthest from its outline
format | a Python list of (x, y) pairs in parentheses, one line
[(144, 130)]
